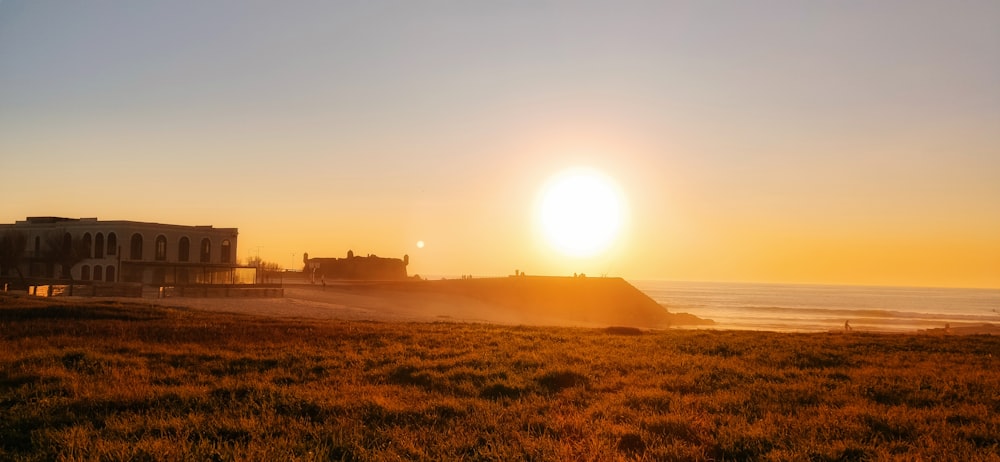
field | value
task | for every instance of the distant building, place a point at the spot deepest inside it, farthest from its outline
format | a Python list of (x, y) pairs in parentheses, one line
[(126, 251), (353, 267)]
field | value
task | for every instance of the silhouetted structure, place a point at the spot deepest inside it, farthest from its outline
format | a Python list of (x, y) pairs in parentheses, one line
[(87, 249), (354, 267)]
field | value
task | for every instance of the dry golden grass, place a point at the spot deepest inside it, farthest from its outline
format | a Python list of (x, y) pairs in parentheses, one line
[(108, 381)]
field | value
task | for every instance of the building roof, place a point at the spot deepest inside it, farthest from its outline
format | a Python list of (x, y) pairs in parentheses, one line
[(48, 220)]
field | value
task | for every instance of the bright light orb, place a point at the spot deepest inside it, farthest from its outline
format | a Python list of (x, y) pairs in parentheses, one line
[(420, 244), (580, 212)]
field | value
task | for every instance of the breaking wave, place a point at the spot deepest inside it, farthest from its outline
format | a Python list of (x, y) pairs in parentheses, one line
[(823, 308)]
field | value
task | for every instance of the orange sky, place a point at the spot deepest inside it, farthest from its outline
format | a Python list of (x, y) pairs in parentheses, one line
[(837, 143)]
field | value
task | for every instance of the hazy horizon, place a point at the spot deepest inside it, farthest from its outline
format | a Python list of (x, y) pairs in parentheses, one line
[(787, 142)]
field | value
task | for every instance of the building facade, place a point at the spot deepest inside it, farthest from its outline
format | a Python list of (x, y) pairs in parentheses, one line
[(88, 249), (371, 267)]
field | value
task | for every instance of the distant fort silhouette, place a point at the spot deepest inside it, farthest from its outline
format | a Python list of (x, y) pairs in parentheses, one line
[(370, 268)]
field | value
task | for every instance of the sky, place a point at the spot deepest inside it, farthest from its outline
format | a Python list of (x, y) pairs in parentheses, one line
[(832, 142)]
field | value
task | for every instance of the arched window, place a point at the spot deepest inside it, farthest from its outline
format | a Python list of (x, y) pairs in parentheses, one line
[(98, 273), (88, 245), (161, 248), (109, 273), (206, 250), (135, 252), (85, 273), (225, 251), (98, 248), (184, 249), (112, 244)]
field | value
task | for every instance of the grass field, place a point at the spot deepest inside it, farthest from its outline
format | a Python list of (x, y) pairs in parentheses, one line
[(110, 381)]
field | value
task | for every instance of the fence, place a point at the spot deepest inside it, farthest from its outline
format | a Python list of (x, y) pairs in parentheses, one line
[(138, 290), (222, 291), (86, 290)]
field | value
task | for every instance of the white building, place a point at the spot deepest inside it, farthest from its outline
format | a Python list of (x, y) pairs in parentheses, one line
[(126, 251)]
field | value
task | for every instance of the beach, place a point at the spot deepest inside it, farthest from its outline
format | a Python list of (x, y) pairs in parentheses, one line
[(825, 308), (762, 307)]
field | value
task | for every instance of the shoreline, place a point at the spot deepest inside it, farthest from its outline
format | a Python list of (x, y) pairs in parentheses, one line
[(529, 301), (367, 302), (822, 308)]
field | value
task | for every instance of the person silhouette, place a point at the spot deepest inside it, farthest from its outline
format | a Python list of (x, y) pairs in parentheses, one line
[(847, 326)]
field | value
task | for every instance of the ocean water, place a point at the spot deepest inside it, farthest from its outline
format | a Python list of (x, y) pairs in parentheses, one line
[(818, 308)]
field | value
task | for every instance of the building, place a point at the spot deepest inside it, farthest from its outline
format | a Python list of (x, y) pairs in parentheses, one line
[(88, 249), (371, 267)]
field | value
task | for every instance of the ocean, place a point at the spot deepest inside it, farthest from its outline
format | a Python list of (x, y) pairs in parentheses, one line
[(819, 308)]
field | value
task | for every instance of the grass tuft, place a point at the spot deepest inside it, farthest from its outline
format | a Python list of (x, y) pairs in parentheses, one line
[(622, 330), (556, 381)]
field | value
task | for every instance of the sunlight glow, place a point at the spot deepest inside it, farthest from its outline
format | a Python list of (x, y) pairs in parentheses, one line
[(580, 212)]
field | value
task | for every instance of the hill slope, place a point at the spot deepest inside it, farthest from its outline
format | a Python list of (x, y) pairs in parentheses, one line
[(562, 300)]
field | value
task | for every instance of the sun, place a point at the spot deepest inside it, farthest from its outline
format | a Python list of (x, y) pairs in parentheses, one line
[(580, 212)]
